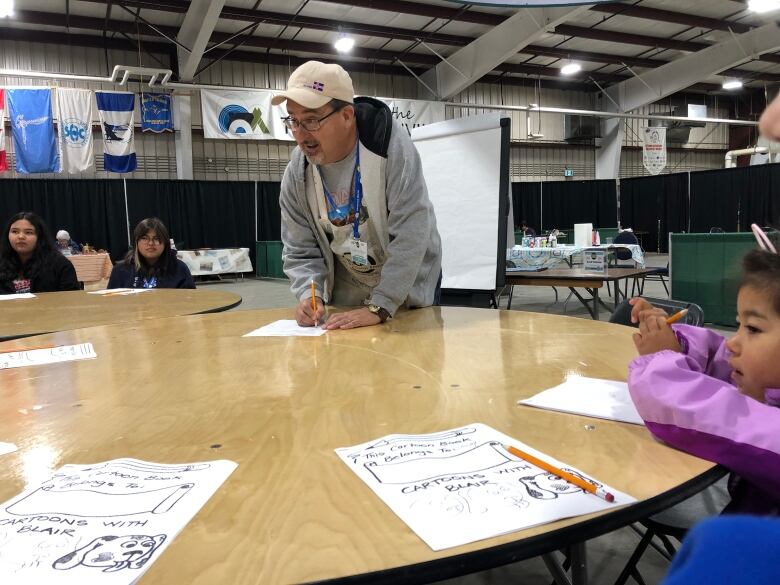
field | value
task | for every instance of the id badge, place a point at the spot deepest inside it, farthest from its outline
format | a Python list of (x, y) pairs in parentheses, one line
[(359, 252)]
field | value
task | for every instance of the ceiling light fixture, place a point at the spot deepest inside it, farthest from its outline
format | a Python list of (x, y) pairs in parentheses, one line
[(6, 8), (731, 84), (571, 69), (762, 6), (344, 43)]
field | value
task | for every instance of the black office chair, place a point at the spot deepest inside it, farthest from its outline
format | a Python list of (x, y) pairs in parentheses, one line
[(716, 230), (695, 315), (659, 274), (628, 238)]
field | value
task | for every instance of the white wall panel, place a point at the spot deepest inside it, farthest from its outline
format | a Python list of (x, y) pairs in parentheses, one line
[(266, 160)]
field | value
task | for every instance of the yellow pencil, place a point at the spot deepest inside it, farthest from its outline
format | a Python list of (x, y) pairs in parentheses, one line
[(314, 300), (676, 317), (578, 481)]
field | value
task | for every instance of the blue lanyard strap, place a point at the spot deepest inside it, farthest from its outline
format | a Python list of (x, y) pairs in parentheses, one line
[(358, 193)]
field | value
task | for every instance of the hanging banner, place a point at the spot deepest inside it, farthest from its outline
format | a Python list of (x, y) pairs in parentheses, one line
[(533, 3), (242, 115), (156, 112), (115, 110), (414, 113), (75, 128), (33, 130), (654, 149), (3, 159)]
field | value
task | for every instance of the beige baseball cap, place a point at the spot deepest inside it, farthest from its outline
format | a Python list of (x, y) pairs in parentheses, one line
[(314, 84)]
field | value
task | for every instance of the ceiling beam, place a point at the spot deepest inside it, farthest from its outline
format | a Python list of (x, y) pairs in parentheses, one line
[(194, 33), (488, 52), (419, 9), (658, 15)]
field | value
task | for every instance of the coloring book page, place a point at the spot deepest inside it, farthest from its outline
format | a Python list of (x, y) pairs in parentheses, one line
[(461, 485), (103, 523), (594, 397), (7, 448), (49, 355), (16, 296)]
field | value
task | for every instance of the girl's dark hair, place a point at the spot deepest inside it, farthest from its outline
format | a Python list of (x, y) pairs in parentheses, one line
[(43, 256), (166, 264), (761, 270)]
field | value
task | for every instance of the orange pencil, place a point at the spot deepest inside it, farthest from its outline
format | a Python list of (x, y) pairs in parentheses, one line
[(579, 482), (676, 317), (314, 300)]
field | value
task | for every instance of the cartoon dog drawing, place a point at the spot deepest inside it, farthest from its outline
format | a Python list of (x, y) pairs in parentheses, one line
[(113, 553), (548, 486)]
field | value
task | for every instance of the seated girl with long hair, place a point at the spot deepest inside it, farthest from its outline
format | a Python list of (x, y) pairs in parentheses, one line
[(151, 263), (29, 260)]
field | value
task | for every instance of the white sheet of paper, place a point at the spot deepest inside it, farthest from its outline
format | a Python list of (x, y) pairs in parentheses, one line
[(7, 448), (286, 328), (119, 291), (102, 523), (461, 485), (52, 355), (591, 397), (17, 296)]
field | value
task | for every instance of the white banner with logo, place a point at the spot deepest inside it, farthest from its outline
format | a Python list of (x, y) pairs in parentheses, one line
[(414, 113), (654, 149), (242, 115), (75, 129)]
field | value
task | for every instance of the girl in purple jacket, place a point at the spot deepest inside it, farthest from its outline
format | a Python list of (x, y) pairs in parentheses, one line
[(717, 398)]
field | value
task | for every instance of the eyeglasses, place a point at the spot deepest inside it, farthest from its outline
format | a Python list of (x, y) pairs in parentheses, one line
[(309, 124), (150, 239)]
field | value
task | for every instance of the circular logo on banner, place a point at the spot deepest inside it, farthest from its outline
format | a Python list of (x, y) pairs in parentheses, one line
[(236, 119), (532, 3), (75, 132)]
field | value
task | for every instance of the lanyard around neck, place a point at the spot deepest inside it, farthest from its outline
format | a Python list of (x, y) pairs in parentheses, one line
[(358, 192)]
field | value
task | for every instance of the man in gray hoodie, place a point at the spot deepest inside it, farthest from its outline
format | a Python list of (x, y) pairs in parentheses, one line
[(356, 218)]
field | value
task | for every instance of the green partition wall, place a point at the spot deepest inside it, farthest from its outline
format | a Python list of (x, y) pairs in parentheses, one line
[(705, 269)]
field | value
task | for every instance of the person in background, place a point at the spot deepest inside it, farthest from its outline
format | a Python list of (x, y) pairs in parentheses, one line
[(66, 245), (29, 259), (717, 398), (151, 263), (526, 230), (356, 217)]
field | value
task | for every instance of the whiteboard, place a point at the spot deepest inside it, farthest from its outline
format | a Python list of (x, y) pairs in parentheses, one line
[(462, 165)]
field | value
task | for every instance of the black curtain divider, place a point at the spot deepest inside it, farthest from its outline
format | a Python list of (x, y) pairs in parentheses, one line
[(198, 214), (91, 210), (565, 203), (526, 205), (715, 199), (655, 204), (269, 215)]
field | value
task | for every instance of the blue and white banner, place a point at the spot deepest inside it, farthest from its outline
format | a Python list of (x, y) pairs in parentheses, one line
[(242, 115), (115, 110), (74, 109), (156, 112), (33, 130)]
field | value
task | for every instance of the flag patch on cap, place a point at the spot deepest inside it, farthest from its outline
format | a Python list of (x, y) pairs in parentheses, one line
[(316, 86)]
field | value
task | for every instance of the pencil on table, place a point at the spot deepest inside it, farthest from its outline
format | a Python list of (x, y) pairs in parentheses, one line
[(578, 481), (676, 317)]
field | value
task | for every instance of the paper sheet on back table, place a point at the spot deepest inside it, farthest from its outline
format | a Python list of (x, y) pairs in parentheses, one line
[(460, 485), (102, 523)]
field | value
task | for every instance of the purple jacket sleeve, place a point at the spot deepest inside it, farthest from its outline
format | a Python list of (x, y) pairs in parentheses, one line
[(687, 401)]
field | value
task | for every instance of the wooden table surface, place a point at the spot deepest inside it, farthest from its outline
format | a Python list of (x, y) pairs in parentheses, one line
[(574, 277), (58, 311), (188, 389)]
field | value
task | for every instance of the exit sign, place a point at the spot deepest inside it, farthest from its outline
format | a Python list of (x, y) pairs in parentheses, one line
[(568, 172)]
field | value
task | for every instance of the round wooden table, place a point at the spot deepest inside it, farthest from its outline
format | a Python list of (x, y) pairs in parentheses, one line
[(58, 311), (189, 389)]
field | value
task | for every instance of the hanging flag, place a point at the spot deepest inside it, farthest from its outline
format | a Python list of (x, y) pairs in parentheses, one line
[(33, 130), (654, 149), (246, 115), (3, 159), (75, 113), (156, 112), (115, 110)]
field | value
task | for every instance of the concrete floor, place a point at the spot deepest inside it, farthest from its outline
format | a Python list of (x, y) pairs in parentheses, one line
[(606, 554)]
